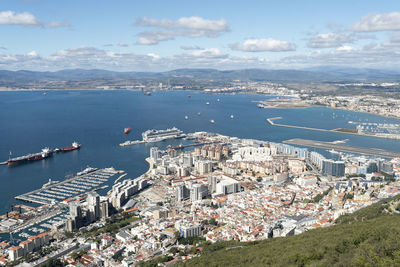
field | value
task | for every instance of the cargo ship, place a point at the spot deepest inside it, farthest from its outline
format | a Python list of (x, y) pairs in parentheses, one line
[(127, 130), (45, 153), (74, 146)]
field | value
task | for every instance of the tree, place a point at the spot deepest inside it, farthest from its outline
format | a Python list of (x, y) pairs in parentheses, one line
[(69, 234), (54, 263), (74, 255), (212, 221), (173, 250)]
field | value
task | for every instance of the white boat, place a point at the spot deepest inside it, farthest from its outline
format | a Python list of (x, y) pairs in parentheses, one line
[(232, 116), (207, 103), (217, 99), (50, 183), (212, 121), (332, 151), (198, 113), (186, 117)]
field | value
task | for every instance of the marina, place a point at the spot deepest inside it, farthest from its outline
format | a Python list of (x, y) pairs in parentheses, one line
[(54, 192), (338, 147)]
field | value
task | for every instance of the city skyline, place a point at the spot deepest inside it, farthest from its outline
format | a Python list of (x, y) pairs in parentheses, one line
[(44, 35)]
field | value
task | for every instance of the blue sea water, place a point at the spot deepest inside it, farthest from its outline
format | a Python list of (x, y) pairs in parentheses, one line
[(30, 121)]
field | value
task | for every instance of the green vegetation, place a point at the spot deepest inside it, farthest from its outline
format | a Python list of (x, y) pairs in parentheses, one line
[(190, 240), (154, 262), (318, 197), (113, 224), (53, 263), (368, 237)]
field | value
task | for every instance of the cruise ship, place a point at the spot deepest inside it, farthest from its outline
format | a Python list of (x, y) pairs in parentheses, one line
[(160, 135)]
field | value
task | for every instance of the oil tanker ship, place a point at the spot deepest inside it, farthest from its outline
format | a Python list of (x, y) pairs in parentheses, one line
[(74, 146), (45, 153)]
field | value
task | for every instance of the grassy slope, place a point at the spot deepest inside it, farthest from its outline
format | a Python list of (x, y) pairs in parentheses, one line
[(368, 237)]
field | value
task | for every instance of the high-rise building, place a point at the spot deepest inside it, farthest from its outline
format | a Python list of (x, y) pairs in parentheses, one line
[(203, 166), (189, 230), (228, 187), (93, 203), (187, 160), (154, 153), (104, 209), (182, 192), (333, 168), (198, 192), (212, 183)]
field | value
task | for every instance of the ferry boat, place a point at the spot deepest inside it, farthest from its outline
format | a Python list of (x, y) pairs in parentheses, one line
[(127, 130), (160, 135)]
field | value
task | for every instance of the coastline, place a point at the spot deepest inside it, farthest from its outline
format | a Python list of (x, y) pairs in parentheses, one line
[(150, 162)]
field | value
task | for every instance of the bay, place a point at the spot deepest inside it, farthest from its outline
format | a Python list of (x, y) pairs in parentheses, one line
[(30, 121)]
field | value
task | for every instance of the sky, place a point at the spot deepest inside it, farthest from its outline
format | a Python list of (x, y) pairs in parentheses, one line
[(133, 35)]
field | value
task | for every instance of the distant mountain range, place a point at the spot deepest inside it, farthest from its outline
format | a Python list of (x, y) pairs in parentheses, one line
[(76, 77)]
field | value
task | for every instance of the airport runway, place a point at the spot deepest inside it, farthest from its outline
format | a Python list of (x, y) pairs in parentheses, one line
[(350, 149)]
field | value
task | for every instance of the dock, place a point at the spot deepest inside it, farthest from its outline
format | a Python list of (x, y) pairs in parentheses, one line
[(344, 148), (131, 143), (68, 188), (119, 178), (191, 145)]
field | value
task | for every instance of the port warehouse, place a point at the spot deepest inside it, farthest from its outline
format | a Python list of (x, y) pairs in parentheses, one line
[(74, 186)]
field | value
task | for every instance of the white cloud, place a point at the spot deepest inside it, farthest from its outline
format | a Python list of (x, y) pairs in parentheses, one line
[(58, 24), (122, 44), (190, 47), (263, 45), (24, 18), (209, 53), (383, 55), (192, 27), (345, 48), (94, 58), (378, 22), (27, 19), (154, 56), (331, 39), (32, 54), (192, 23), (154, 37)]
